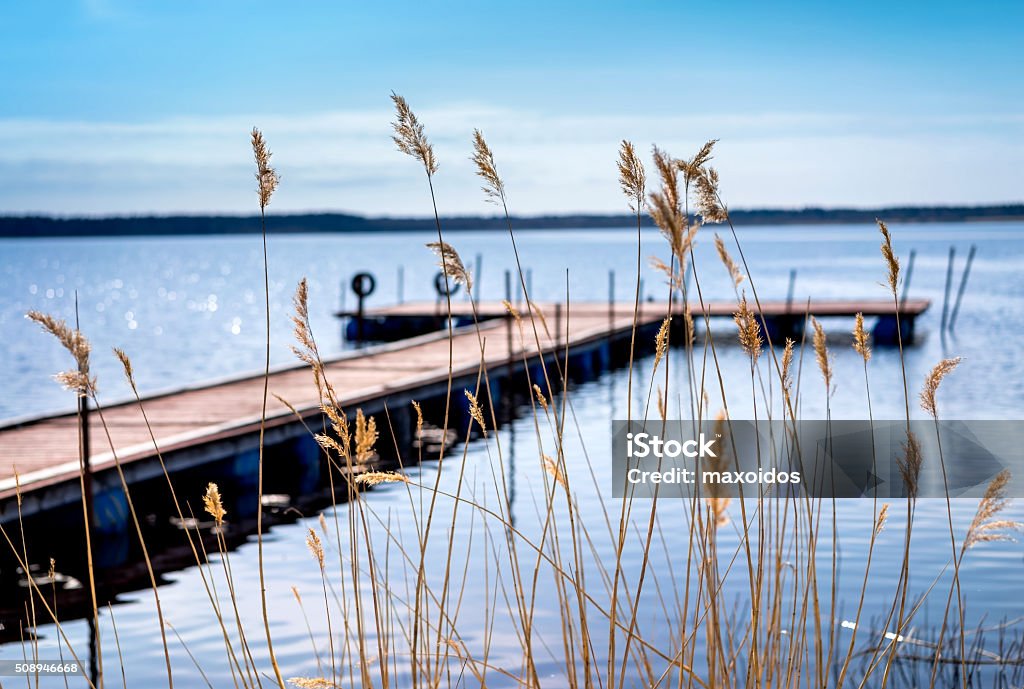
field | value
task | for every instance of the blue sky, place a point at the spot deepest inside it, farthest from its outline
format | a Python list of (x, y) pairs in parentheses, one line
[(119, 107)]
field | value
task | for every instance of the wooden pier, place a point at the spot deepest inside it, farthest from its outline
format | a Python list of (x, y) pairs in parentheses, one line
[(219, 421)]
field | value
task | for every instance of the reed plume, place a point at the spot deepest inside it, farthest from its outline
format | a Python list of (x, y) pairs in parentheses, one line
[(451, 263), (266, 176), (709, 203), (483, 158), (931, 383), (787, 365), (512, 311), (541, 399), (889, 255), (910, 464), (821, 353), (985, 527), (880, 520), (661, 341), (213, 504), (476, 412), (749, 330), (692, 168), (409, 136), (366, 437), (860, 338), (553, 469), (665, 206), (632, 176), (315, 546), (312, 683), (675, 280), (730, 265), (375, 478), (419, 417), (76, 344)]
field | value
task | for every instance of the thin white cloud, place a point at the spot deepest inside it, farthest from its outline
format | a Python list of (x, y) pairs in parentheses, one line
[(346, 160)]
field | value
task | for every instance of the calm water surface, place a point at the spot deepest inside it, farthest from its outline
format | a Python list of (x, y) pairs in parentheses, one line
[(188, 309)]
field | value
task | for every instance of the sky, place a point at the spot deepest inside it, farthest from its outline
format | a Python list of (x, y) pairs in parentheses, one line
[(111, 107)]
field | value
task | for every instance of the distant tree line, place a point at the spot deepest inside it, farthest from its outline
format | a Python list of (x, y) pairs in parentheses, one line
[(49, 226)]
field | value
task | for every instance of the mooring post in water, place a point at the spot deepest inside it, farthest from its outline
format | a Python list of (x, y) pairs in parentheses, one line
[(84, 449), (401, 284), (558, 326), (508, 316), (963, 286), (363, 284), (949, 283), (477, 272), (611, 302), (529, 285), (906, 279), (791, 289)]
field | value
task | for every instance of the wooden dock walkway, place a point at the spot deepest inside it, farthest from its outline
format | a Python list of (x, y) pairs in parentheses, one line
[(198, 424)]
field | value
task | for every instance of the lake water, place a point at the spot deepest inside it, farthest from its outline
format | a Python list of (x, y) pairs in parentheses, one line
[(190, 308)]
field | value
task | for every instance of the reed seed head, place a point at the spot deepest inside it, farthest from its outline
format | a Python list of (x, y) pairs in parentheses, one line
[(931, 384), (538, 313), (476, 412), (910, 464), (821, 353), (730, 265), (787, 365), (77, 345), (691, 168), (266, 176), (541, 399), (483, 158), (419, 418), (512, 311), (315, 547), (451, 263), (366, 437), (985, 527), (632, 176), (889, 255), (375, 478), (749, 330), (409, 135), (312, 683), (213, 504), (554, 470), (691, 330), (126, 364), (860, 338), (52, 571), (661, 341), (883, 514), (709, 203), (665, 206), (674, 279)]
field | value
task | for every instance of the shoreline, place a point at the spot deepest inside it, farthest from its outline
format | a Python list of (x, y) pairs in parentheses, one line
[(44, 226)]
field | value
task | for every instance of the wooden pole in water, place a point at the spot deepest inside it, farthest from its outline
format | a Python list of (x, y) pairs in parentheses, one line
[(906, 279), (508, 317), (401, 284), (949, 283), (477, 272), (791, 289), (84, 444), (611, 301), (558, 325), (963, 286)]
